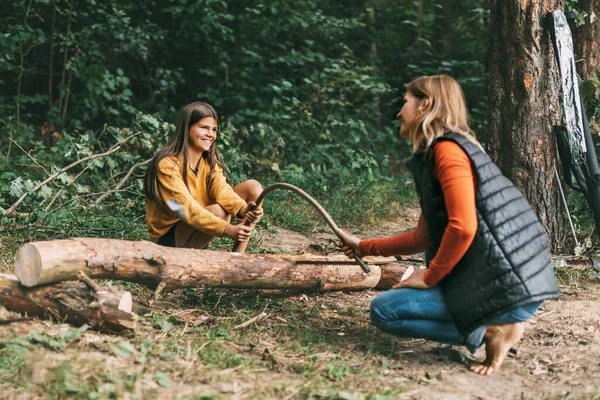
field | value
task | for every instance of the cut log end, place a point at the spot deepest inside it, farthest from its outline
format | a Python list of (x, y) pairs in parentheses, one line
[(126, 302), (28, 265)]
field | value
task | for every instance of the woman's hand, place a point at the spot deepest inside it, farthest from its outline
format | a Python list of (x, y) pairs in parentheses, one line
[(415, 281), (239, 232), (253, 216), (350, 245)]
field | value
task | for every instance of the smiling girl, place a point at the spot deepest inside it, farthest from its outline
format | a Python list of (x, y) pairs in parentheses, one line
[(188, 200)]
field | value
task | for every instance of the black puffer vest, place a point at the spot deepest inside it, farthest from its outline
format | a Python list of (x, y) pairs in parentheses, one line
[(508, 264)]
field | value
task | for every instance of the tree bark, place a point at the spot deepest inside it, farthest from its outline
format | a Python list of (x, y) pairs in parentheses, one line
[(443, 29), (418, 45), (373, 58), (149, 264), (102, 308), (524, 106), (587, 39)]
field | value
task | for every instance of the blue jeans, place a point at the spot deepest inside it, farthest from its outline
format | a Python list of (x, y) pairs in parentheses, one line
[(423, 313)]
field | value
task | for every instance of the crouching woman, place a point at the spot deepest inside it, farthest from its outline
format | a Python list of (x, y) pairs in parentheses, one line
[(488, 260)]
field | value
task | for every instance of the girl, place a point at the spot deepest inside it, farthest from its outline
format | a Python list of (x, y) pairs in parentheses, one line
[(488, 260), (188, 201)]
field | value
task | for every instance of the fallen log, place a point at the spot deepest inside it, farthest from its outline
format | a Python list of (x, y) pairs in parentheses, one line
[(390, 275), (169, 268), (102, 308)]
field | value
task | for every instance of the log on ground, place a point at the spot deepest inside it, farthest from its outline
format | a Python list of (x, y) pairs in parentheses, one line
[(106, 310), (150, 264)]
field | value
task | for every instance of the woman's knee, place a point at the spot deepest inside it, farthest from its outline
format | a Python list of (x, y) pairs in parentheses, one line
[(378, 313)]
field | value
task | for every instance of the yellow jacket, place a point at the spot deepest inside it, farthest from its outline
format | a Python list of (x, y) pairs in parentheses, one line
[(193, 201)]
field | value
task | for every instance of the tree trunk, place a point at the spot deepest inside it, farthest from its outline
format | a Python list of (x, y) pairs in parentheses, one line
[(152, 265), (524, 106), (418, 45), (103, 309), (587, 39), (444, 30), (373, 58)]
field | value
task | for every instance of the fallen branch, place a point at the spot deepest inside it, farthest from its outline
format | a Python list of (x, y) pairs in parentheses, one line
[(106, 309), (259, 317), (11, 211), (122, 181)]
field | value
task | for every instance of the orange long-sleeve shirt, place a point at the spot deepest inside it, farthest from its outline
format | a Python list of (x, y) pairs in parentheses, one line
[(452, 169)]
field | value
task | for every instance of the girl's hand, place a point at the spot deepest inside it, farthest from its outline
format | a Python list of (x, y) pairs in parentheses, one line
[(350, 245), (239, 232), (252, 216), (415, 281)]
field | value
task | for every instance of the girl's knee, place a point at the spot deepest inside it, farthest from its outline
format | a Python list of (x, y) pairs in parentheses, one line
[(219, 212), (254, 188)]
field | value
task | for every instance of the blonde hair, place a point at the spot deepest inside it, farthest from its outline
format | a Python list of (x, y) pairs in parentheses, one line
[(446, 111)]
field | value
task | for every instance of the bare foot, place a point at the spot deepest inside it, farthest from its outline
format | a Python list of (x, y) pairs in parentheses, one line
[(498, 341)]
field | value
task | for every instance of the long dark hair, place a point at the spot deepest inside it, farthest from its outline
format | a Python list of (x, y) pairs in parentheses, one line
[(179, 145)]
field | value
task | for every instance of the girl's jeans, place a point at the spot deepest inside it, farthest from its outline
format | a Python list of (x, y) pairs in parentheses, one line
[(423, 313)]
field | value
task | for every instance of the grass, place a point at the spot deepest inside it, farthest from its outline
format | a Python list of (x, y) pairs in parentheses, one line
[(575, 278), (297, 349), (350, 206)]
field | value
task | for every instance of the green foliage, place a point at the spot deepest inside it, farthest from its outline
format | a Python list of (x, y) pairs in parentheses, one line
[(307, 93), (57, 342), (12, 359)]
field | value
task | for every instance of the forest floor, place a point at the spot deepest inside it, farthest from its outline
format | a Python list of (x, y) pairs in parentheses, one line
[(318, 346)]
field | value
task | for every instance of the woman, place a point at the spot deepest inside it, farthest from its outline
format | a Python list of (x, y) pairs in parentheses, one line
[(488, 260), (188, 200)]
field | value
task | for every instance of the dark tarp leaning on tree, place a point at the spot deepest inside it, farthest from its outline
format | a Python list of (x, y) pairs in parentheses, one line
[(575, 145)]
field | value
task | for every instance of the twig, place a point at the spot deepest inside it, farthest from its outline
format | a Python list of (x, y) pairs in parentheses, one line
[(10, 213), (543, 314), (53, 199), (50, 76), (297, 390), (408, 394), (122, 181), (66, 52), (10, 321), (89, 282), (558, 362), (259, 317), (64, 113), (61, 228), (67, 185), (155, 296), (10, 135), (20, 77), (29, 155)]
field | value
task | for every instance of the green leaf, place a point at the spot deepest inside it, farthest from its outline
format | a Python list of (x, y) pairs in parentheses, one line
[(123, 349), (74, 334), (167, 356), (7, 175), (166, 326), (45, 192), (163, 379), (587, 89)]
